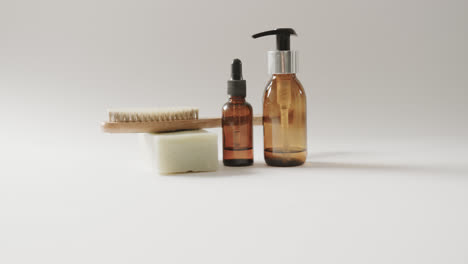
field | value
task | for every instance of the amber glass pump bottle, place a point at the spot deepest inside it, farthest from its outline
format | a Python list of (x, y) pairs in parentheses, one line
[(284, 106), (237, 122)]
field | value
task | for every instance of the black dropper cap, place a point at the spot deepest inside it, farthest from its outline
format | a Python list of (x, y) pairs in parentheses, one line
[(237, 85), (282, 37)]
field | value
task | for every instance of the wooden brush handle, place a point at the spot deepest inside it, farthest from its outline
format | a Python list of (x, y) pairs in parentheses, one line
[(166, 126)]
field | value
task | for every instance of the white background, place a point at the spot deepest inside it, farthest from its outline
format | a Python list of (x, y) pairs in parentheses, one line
[(386, 177)]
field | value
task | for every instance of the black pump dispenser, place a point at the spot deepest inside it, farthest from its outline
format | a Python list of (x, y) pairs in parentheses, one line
[(237, 85), (282, 37), (283, 59)]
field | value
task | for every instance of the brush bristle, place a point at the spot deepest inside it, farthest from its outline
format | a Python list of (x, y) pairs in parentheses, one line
[(152, 114)]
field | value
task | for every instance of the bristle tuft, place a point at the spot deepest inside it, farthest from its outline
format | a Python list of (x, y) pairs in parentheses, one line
[(153, 114)]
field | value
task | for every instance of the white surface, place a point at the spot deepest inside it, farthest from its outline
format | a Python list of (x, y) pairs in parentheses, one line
[(386, 180), (183, 151), (360, 202)]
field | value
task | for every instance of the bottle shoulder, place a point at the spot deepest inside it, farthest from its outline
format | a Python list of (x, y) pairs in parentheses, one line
[(290, 80), (231, 106), (226, 106), (248, 105)]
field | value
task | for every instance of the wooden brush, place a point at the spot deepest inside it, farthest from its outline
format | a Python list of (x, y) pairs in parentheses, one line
[(160, 120)]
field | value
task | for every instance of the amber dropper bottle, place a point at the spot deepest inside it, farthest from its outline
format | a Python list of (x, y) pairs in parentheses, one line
[(284, 105), (237, 122)]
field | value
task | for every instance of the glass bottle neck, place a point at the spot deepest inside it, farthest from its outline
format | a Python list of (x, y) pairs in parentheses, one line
[(237, 99), (284, 76)]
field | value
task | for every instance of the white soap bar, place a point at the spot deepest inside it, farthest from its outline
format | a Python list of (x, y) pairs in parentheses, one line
[(182, 151)]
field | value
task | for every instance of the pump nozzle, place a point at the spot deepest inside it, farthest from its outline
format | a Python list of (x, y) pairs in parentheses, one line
[(282, 60), (282, 37)]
